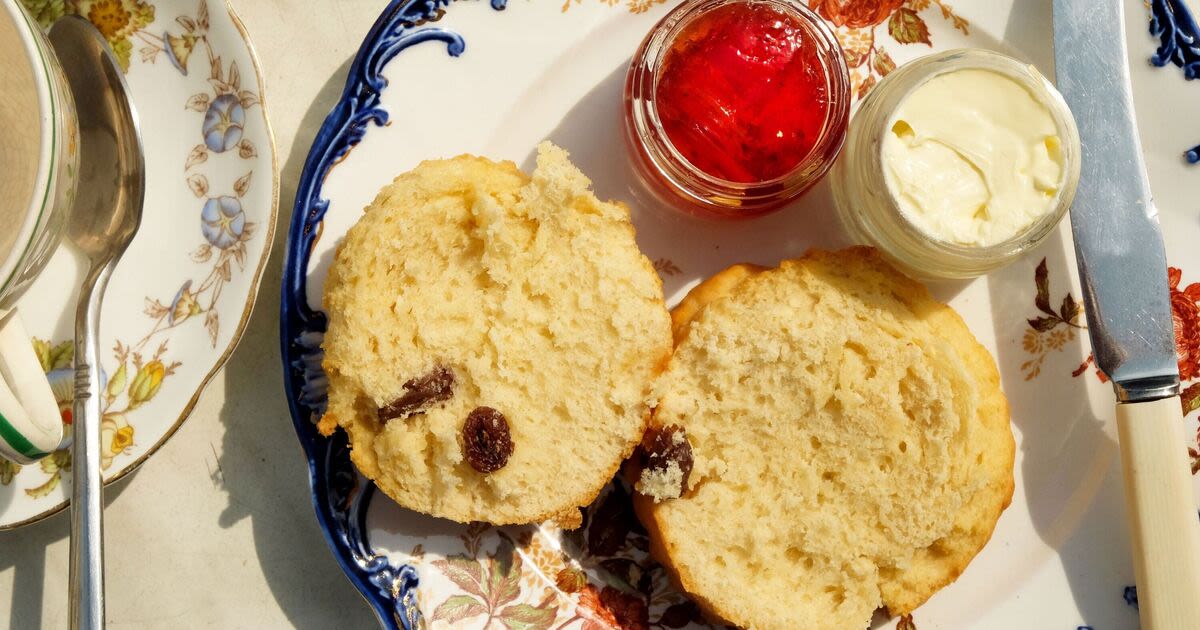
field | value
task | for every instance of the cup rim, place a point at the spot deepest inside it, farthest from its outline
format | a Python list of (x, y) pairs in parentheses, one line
[(36, 54)]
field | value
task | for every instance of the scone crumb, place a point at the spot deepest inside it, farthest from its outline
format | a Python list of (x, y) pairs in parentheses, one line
[(663, 483), (327, 425), (570, 519)]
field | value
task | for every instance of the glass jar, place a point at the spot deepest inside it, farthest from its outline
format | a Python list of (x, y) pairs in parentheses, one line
[(869, 211), (690, 188)]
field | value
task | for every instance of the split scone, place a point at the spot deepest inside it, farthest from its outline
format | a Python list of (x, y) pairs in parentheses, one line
[(492, 339), (827, 439)]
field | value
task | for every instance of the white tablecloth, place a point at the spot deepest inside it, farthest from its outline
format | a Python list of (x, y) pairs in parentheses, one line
[(217, 529)]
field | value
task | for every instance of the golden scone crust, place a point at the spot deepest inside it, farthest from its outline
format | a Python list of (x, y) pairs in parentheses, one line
[(812, 509), (717, 286), (526, 292)]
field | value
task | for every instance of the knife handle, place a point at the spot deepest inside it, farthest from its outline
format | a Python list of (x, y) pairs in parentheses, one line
[(1163, 520)]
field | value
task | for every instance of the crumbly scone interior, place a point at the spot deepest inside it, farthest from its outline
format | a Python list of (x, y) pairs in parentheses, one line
[(534, 294), (824, 406)]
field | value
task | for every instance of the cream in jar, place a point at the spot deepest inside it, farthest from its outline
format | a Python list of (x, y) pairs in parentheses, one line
[(973, 158), (957, 163)]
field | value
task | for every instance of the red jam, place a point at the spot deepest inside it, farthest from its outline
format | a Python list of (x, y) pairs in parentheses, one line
[(733, 108), (742, 92)]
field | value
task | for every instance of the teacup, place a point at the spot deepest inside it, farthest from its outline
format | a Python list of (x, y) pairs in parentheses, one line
[(38, 167)]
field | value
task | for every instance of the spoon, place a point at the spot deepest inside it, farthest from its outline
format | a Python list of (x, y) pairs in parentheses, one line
[(106, 214)]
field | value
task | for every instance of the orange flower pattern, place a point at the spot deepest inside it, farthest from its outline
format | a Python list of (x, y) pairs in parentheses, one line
[(1185, 315), (856, 23), (1050, 331), (855, 13)]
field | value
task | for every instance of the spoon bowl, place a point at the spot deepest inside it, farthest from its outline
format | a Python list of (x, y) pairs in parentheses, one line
[(107, 212)]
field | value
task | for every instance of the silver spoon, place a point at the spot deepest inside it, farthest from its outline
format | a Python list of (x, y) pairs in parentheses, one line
[(106, 214)]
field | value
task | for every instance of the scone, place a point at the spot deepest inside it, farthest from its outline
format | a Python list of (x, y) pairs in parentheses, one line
[(492, 339), (839, 439)]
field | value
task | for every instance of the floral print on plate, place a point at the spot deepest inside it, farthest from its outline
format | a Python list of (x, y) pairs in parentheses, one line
[(1050, 330), (859, 25)]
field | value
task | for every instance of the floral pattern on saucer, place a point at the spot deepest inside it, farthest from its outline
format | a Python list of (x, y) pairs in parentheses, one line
[(121, 396), (187, 300), (120, 21)]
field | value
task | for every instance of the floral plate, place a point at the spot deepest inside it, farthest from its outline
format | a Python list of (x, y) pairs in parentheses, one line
[(435, 78), (181, 295)]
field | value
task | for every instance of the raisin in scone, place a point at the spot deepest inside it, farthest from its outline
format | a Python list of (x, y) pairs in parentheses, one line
[(492, 339), (827, 439)]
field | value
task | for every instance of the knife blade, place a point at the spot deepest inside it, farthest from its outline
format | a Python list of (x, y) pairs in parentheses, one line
[(1123, 270), (1118, 242)]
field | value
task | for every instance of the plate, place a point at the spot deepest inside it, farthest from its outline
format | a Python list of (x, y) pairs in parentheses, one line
[(435, 79), (181, 295)]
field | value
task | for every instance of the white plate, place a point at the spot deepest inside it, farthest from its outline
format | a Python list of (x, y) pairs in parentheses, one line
[(181, 295), (1059, 557)]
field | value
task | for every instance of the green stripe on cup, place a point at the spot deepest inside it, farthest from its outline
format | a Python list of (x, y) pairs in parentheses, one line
[(10, 434), (50, 182)]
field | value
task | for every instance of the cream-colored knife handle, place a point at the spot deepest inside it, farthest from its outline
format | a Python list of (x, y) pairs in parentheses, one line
[(1162, 513)]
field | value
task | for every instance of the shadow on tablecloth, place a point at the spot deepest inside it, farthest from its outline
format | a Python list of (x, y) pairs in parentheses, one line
[(261, 465), (25, 551)]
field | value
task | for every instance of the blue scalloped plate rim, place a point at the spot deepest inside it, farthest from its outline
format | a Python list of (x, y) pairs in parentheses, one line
[(340, 495)]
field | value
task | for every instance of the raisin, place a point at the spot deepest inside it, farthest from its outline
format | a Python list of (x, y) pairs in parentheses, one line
[(420, 392), (665, 445), (487, 444)]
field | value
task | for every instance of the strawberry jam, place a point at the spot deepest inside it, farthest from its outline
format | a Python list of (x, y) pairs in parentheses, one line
[(735, 107), (742, 93)]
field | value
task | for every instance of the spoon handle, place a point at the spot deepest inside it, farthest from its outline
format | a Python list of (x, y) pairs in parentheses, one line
[(87, 522)]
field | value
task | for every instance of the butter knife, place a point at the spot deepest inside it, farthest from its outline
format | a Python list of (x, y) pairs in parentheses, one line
[(1123, 269)]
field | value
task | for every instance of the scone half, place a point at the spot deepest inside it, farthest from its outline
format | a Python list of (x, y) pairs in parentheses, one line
[(492, 339), (839, 439)]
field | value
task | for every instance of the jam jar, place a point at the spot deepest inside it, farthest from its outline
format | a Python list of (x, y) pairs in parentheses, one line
[(735, 107)]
